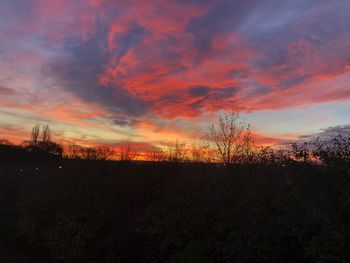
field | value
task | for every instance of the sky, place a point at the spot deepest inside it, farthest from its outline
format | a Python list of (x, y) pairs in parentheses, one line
[(99, 71)]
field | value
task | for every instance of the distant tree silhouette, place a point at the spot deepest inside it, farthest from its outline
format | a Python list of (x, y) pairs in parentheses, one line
[(231, 137), (104, 152), (43, 145), (89, 153), (157, 154), (334, 151), (6, 142), (46, 134), (127, 152), (301, 152), (200, 153), (74, 151), (35, 135), (266, 155), (177, 152)]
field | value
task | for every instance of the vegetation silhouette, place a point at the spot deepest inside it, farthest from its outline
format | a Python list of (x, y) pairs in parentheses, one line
[(223, 199)]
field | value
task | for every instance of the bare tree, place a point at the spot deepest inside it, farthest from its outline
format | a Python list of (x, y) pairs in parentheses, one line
[(43, 145), (334, 151), (35, 135), (46, 134), (74, 151), (200, 153), (301, 152), (177, 152), (127, 151), (89, 153), (46, 143), (104, 152), (247, 146), (231, 137), (6, 142), (157, 154)]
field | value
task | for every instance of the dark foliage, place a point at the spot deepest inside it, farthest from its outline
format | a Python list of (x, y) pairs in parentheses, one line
[(334, 152), (104, 211), (89, 153), (279, 207)]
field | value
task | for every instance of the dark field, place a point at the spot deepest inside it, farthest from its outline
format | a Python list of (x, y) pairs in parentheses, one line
[(104, 211)]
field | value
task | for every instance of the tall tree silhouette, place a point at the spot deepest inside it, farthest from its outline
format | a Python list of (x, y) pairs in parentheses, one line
[(127, 151), (35, 135), (231, 137)]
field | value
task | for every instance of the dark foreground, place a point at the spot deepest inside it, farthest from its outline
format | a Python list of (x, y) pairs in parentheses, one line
[(81, 211)]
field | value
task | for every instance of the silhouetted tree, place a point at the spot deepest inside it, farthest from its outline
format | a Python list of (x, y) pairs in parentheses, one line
[(52, 148), (46, 134), (301, 152), (6, 142), (231, 137), (89, 153), (177, 152), (74, 151), (43, 144), (334, 151), (35, 135), (127, 151), (157, 154), (266, 155), (104, 152), (200, 153)]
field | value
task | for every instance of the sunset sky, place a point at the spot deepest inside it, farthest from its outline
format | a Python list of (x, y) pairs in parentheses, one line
[(154, 71)]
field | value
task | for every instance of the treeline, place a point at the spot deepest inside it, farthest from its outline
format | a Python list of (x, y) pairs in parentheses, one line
[(333, 151), (41, 146), (263, 205), (229, 141), (276, 209)]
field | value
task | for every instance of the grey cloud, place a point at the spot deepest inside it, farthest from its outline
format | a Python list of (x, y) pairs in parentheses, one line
[(223, 16), (125, 121), (343, 130), (79, 68), (324, 134), (212, 92), (198, 91), (208, 96)]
